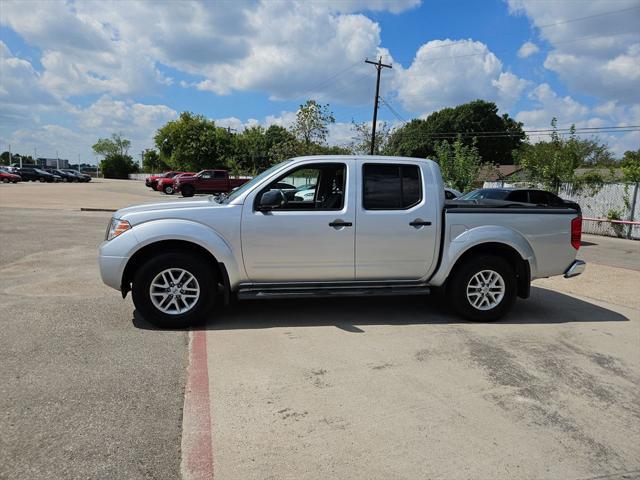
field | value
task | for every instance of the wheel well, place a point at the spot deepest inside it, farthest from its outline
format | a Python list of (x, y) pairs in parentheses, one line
[(520, 265), (147, 252)]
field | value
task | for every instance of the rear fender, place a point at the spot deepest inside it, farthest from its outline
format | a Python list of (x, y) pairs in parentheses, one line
[(462, 240)]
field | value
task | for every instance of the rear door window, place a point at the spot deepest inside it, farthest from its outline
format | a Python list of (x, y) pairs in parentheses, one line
[(390, 186)]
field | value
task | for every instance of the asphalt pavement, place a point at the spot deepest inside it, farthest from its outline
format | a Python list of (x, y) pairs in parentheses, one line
[(83, 392)]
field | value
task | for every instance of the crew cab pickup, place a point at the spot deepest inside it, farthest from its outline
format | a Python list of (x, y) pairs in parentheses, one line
[(207, 181), (374, 226)]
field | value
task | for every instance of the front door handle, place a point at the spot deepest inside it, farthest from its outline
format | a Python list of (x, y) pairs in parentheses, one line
[(339, 223), (417, 223)]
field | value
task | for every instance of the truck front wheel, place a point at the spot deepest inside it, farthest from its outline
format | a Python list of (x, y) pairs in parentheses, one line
[(174, 290), (483, 289), (187, 191)]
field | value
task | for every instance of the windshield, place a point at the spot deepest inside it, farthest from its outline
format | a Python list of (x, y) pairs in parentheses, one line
[(247, 186)]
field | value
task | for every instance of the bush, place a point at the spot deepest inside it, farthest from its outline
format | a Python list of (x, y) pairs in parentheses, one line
[(118, 166)]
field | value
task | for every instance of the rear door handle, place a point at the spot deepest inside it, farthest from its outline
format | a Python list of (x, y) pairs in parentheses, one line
[(419, 223), (340, 223)]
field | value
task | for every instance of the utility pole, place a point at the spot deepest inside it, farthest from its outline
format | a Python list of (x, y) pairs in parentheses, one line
[(379, 66), (142, 160), (229, 130), (57, 161), (9, 154)]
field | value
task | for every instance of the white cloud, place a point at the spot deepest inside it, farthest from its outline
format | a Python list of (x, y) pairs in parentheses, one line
[(596, 50), (283, 48), (466, 70), (136, 121), (527, 49), (22, 95), (569, 111)]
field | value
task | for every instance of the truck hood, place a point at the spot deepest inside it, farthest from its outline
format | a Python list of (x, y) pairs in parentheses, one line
[(167, 206)]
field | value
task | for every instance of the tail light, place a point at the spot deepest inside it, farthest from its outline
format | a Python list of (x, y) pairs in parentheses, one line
[(576, 232)]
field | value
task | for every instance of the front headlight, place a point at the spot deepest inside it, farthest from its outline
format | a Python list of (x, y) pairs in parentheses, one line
[(117, 227)]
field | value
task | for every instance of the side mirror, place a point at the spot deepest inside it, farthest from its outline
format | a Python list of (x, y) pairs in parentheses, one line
[(272, 199)]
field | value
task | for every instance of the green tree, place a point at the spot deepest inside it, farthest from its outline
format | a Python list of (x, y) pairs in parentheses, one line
[(361, 144), (118, 166), (115, 163), (554, 162), (631, 166), (151, 162), (459, 163), (251, 150), (192, 142), (312, 123), (496, 136), (116, 145)]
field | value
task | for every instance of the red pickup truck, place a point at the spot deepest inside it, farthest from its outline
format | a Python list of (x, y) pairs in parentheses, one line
[(207, 181)]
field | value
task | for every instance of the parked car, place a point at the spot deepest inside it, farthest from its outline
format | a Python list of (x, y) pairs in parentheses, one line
[(379, 225), (167, 186), (521, 195), (304, 193), (64, 176), (152, 181), (451, 193), (82, 177), (8, 177), (37, 175), (207, 181)]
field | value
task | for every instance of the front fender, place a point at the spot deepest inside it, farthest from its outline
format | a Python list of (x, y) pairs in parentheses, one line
[(460, 240), (128, 243)]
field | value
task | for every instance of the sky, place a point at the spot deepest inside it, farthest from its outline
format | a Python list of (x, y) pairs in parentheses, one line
[(74, 71)]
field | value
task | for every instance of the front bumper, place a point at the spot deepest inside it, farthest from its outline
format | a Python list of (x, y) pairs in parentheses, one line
[(575, 269)]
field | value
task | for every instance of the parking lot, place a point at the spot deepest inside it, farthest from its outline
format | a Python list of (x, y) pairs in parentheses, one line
[(349, 388)]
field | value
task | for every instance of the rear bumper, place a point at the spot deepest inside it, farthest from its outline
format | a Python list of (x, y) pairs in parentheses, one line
[(575, 269)]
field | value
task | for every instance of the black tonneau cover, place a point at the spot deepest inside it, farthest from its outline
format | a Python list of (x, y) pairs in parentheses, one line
[(487, 205)]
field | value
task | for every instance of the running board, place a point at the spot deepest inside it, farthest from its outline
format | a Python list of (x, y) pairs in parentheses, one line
[(255, 292)]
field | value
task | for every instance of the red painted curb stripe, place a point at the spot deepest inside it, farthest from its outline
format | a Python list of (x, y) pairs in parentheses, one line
[(197, 451)]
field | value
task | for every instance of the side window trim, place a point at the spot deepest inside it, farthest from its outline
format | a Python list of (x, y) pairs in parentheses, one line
[(399, 165), (319, 166)]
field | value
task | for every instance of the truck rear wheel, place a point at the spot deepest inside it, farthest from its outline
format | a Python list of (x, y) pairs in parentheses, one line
[(174, 290), (483, 289), (187, 191)]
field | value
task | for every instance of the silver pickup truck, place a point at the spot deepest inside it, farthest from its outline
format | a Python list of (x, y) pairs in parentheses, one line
[(372, 225)]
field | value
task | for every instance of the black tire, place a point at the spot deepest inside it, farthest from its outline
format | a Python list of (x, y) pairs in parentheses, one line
[(42, 180), (188, 191), (193, 264), (168, 189), (75, 180), (463, 274), (5, 180)]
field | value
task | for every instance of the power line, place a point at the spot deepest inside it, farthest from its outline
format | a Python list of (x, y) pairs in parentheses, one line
[(532, 132), (571, 20), (395, 113)]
